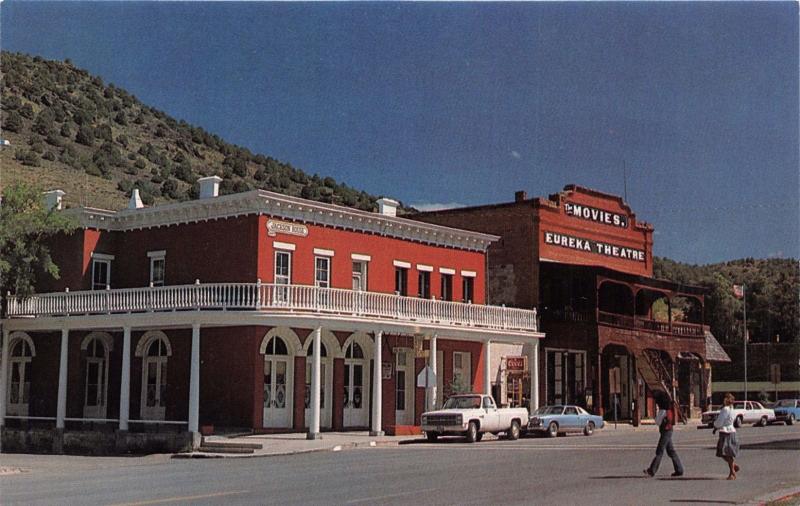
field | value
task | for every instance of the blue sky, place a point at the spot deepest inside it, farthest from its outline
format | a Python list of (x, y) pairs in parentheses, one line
[(454, 103)]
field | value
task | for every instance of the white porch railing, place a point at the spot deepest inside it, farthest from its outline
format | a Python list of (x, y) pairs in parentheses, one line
[(256, 296)]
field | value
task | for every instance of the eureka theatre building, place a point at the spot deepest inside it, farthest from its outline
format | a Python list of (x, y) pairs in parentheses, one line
[(614, 333)]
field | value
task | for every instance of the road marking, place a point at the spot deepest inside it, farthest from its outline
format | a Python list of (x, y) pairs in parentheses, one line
[(388, 496), (183, 498)]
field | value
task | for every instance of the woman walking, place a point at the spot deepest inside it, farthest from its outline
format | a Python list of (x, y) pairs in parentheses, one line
[(728, 444), (665, 419)]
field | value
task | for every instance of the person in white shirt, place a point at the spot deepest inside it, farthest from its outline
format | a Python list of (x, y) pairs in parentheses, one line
[(727, 444)]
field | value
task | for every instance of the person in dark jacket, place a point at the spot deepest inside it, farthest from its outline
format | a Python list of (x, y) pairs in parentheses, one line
[(665, 419)]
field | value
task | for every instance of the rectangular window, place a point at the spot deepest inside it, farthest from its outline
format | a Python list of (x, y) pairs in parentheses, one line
[(360, 276), (283, 275), (101, 273), (401, 281), (468, 289), (462, 372), (566, 377), (425, 285), (447, 287), (158, 264), (322, 268)]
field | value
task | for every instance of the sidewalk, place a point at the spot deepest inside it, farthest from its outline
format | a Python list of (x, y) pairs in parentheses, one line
[(294, 443)]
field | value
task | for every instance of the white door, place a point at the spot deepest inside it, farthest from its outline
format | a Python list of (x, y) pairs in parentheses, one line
[(278, 370), (95, 393), (19, 383), (326, 387), (154, 381), (404, 387), (356, 387), (439, 379)]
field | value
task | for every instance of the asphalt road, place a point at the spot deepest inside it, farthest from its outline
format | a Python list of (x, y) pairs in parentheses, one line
[(603, 469)]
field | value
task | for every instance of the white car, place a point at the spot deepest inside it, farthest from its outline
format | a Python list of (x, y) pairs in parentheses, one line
[(471, 416), (743, 412)]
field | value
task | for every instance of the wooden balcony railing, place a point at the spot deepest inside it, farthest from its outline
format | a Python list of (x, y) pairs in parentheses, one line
[(262, 296), (676, 328)]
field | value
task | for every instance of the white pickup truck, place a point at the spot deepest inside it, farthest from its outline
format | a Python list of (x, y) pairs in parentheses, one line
[(471, 416)]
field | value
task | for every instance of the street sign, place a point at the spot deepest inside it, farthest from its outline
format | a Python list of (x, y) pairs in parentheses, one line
[(775, 373), (613, 381), (426, 377), (386, 370)]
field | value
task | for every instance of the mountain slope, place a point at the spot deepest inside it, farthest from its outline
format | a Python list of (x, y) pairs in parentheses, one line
[(70, 130)]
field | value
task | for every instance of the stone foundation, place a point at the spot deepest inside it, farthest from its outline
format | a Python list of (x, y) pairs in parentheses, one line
[(59, 441)]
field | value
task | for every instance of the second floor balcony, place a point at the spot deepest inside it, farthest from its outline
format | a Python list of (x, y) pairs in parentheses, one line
[(274, 297)]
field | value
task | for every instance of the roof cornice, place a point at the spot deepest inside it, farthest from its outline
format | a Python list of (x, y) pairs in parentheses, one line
[(262, 202)]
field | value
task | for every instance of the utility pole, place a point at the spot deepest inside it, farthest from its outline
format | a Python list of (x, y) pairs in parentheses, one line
[(746, 337)]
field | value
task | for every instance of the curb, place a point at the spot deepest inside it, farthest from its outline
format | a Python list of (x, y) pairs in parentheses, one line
[(780, 495), (336, 448)]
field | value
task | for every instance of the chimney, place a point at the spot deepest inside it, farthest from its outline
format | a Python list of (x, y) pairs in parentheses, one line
[(52, 199), (520, 196), (209, 186), (136, 201), (387, 207)]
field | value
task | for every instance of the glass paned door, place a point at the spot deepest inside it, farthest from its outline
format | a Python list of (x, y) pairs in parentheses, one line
[(356, 404), (326, 380), (19, 381), (277, 394), (404, 387)]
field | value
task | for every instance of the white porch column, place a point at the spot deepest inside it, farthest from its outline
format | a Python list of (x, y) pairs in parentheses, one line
[(487, 369), (194, 380), (534, 372), (4, 376), (125, 383), (61, 409), (313, 424), (432, 393), (377, 386)]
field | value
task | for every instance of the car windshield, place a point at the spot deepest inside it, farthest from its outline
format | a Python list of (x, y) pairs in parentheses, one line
[(463, 402), (786, 403)]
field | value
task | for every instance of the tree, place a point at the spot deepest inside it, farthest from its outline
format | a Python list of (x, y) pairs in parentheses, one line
[(85, 135), (24, 252), (13, 122)]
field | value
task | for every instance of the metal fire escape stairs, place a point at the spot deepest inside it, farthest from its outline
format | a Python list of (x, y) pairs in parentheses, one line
[(656, 375)]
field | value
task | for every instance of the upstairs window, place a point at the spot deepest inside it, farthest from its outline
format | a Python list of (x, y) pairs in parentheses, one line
[(158, 262), (322, 272), (424, 285), (401, 281), (101, 271), (360, 276), (468, 289), (447, 287), (283, 268)]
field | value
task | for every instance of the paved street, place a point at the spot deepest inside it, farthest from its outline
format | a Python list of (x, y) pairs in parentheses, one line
[(603, 469)]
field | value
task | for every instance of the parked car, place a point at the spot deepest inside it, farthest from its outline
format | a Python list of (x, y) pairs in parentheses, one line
[(743, 412), (471, 416), (787, 411), (554, 420)]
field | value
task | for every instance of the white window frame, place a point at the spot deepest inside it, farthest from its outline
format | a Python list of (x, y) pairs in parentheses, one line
[(286, 279), (102, 258), (361, 275), (327, 270), (154, 257), (157, 412)]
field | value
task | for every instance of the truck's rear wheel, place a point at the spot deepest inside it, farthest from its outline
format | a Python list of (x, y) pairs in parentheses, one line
[(737, 422), (432, 436), (472, 432), (513, 432)]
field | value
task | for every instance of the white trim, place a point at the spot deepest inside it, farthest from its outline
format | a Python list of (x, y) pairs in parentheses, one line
[(446, 270), (294, 347), (102, 256), (469, 274), (360, 258), (401, 264), (284, 245), (424, 268), (324, 252), (157, 254), (147, 338), (105, 337), (23, 336), (262, 202)]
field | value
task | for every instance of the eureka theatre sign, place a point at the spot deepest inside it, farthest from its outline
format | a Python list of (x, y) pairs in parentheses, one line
[(591, 246)]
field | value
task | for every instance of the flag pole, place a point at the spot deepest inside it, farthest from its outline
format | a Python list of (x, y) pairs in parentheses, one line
[(744, 301)]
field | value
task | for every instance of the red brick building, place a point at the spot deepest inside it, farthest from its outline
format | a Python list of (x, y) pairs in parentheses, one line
[(253, 310), (614, 334)]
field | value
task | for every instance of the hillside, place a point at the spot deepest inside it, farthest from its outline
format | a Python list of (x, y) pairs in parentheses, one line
[(772, 290), (70, 130)]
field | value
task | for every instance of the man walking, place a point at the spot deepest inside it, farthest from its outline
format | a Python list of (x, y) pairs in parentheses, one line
[(665, 419)]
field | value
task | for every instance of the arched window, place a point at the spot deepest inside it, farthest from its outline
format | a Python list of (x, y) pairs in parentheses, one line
[(276, 346), (21, 353), (354, 351)]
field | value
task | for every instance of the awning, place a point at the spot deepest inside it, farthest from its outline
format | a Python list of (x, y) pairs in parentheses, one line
[(714, 351)]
